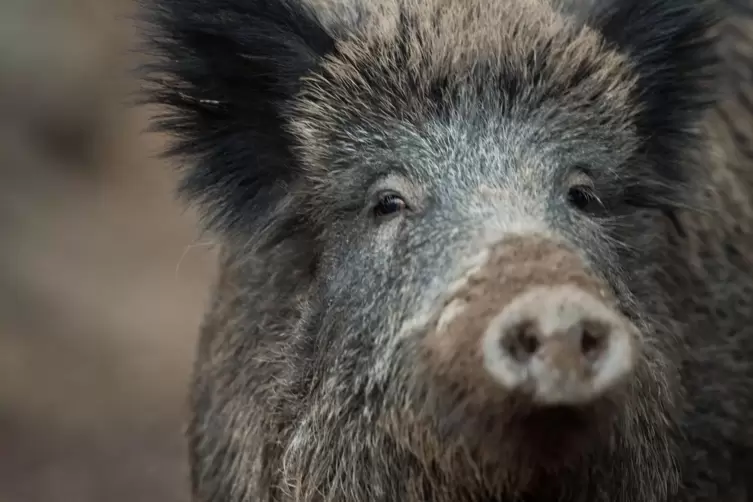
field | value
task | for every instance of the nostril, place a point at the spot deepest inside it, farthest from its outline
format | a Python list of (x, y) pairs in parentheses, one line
[(521, 342), (593, 339), (559, 345), (529, 342)]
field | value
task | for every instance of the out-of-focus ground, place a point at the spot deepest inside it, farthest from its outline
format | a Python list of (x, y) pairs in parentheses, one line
[(97, 321)]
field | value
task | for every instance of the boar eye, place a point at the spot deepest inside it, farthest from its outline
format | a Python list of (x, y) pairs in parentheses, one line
[(580, 193), (389, 204), (581, 197)]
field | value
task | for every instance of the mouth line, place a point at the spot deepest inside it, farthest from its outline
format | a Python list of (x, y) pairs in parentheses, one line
[(550, 427), (546, 432), (562, 416)]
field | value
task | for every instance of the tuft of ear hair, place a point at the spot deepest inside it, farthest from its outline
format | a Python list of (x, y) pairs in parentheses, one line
[(226, 71), (672, 48)]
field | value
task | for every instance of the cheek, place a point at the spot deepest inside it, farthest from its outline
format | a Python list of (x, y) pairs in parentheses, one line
[(356, 273), (650, 228), (631, 254), (641, 242)]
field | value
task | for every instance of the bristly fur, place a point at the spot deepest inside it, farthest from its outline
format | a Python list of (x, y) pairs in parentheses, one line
[(308, 385), (230, 73), (672, 48), (226, 71)]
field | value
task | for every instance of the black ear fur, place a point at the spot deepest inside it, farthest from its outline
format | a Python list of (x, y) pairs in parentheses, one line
[(670, 44), (226, 71)]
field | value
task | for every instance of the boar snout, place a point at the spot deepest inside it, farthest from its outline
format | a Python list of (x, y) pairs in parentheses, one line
[(560, 345), (534, 321)]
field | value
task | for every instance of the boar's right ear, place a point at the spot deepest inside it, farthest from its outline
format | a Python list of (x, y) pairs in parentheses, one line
[(226, 71), (672, 48)]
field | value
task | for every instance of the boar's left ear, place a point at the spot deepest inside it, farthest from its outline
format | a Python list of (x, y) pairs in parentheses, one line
[(669, 43), (227, 71)]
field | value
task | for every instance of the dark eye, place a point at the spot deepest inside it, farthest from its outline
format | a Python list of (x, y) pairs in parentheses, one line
[(581, 197), (389, 204), (580, 191)]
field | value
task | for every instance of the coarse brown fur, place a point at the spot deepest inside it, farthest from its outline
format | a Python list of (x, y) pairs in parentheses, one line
[(290, 402)]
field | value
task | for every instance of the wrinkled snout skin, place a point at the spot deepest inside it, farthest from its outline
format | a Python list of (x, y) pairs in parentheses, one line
[(528, 357), (533, 321)]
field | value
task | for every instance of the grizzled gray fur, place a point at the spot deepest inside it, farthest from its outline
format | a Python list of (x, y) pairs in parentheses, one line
[(473, 250)]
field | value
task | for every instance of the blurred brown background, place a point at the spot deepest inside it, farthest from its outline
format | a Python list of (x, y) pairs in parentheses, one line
[(103, 275)]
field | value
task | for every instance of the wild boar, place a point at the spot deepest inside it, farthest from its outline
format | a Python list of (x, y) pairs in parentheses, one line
[(473, 250)]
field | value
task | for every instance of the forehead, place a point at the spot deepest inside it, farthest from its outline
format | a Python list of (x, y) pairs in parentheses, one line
[(436, 73)]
